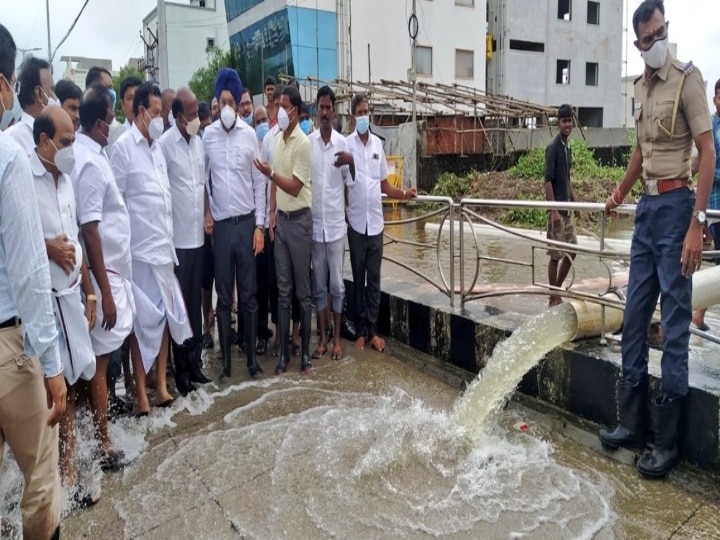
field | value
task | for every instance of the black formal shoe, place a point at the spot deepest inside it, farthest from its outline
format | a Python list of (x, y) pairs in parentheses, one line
[(207, 341), (184, 386)]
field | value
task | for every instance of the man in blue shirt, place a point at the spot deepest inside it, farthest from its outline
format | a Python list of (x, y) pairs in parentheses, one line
[(714, 204), (28, 387)]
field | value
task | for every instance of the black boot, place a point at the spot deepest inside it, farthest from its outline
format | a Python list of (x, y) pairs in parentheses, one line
[(250, 326), (664, 455), (182, 372), (283, 335), (306, 333), (195, 361), (225, 339), (632, 408)]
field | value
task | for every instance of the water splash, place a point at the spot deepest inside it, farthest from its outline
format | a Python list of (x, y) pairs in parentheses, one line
[(509, 362), (359, 465)]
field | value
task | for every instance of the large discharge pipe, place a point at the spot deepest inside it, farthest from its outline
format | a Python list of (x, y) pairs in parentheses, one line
[(706, 293)]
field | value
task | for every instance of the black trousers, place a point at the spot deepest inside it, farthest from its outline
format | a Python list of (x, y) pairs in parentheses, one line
[(365, 259), (189, 273)]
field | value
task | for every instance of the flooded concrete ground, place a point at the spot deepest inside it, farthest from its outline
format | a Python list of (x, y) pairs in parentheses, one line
[(366, 448)]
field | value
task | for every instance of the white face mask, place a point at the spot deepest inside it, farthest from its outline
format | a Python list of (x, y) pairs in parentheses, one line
[(193, 127), (156, 128), (228, 116), (656, 55), (283, 119), (64, 159)]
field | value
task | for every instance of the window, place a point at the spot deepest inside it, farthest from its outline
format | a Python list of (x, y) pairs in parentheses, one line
[(593, 12), (423, 60), (565, 10), (590, 116), (563, 72), (464, 64), (466, 3), (210, 43), (532, 46), (591, 74)]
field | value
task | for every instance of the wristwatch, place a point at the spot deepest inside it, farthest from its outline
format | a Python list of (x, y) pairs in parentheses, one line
[(700, 218)]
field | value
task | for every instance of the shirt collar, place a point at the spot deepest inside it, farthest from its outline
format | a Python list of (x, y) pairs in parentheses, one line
[(137, 135), (27, 120), (176, 135), (39, 170), (85, 140)]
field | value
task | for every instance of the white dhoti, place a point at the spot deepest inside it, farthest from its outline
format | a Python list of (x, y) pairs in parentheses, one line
[(74, 344), (158, 300), (107, 341)]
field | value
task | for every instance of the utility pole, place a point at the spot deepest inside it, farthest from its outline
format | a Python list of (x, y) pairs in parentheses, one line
[(413, 28), (47, 13)]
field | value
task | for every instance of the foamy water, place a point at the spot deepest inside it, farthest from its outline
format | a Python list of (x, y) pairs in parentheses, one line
[(358, 465), (509, 362)]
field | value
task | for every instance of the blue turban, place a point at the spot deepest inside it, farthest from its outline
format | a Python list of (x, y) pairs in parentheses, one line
[(228, 79)]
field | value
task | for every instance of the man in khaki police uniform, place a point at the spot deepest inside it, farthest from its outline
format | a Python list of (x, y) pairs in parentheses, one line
[(670, 112)]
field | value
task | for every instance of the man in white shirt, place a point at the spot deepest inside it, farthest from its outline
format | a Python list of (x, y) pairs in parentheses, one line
[(128, 86), (328, 213), (32, 378), (105, 228), (290, 171), (141, 175), (236, 216), (365, 216), (37, 91), (185, 159), (53, 160)]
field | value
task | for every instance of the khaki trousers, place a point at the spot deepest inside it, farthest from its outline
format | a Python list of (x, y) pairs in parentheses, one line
[(23, 424)]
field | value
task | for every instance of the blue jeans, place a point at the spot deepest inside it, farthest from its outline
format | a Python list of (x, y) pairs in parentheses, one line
[(661, 224)]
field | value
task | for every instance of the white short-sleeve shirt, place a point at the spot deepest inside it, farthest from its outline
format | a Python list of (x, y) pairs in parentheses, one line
[(365, 194), (328, 188)]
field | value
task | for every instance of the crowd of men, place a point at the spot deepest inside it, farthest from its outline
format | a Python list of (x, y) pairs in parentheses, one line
[(113, 234)]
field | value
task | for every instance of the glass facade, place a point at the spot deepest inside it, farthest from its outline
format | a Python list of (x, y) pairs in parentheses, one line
[(300, 42)]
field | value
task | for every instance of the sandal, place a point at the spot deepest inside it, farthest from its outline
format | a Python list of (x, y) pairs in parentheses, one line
[(113, 461), (337, 352), (320, 351), (83, 498), (275, 352), (296, 350), (261, 347)]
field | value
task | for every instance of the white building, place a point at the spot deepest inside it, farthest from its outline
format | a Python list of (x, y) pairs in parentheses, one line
[(77, 67), (359, 40), (182, 36), (559, 51)]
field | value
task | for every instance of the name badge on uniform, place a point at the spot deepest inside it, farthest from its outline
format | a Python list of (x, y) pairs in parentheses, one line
[(376, 156)]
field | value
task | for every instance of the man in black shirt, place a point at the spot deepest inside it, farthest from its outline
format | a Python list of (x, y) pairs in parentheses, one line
[(560, 226)]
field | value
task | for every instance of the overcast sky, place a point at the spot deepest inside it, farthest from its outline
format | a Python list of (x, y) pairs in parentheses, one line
[(110, 29)]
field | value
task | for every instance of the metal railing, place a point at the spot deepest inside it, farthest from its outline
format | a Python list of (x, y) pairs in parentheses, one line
[(467, 214), (445, 285)]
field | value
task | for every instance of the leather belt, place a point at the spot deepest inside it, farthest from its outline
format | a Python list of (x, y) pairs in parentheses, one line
[(654, 187), (294, 214), (237, 219), (11, 323)]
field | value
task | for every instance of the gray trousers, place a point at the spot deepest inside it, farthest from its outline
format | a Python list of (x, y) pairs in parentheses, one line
[(328, 259), (366, 258), (293, 253)]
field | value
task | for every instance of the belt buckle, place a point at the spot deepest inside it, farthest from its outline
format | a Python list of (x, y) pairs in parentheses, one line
[(651, 187)]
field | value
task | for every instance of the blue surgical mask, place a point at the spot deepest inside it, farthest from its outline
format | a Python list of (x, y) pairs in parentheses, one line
[(248, 120), (13, 113), (113, 95), (362, 124), (261, 130), (305, 125)]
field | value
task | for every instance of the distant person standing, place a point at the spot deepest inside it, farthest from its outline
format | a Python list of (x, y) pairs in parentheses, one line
[(714, 204), (558, 188), (365, 216), (28, 387), (272, 110), (128, 86), (167, 97), (671, 113), (37, 91), (69, 96)]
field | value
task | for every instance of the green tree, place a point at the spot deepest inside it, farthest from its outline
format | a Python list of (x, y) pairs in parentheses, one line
[(125, 71), (202, 82)]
